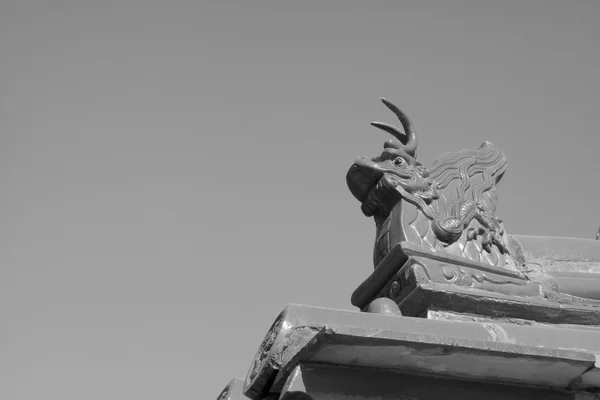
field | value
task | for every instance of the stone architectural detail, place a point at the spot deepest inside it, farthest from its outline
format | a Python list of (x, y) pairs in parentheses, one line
[(449, 208), (439, 242), (456, 307), (324, 354)]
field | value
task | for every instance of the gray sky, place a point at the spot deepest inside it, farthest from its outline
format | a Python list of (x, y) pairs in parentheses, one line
[(173, 172)]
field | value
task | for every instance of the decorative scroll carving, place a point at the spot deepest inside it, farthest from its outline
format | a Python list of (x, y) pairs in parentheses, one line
[(474, 174), (464, 276), (450, 207), (420, 271)]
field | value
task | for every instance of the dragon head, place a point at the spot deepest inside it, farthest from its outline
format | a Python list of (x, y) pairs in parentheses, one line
[(396, 167)]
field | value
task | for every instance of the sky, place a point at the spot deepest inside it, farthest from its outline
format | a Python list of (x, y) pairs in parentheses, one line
[(173, 172)]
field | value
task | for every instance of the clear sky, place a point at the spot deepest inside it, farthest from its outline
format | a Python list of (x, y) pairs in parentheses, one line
[(173, 172)]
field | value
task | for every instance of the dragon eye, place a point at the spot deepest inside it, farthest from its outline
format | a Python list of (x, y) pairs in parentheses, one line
[(399, 161)]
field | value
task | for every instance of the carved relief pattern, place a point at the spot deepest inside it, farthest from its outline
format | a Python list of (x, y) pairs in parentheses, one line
[(423, 271), (419, 231), (466, 184), (483, 280), (421, 226), (463, 276), (448, 208)]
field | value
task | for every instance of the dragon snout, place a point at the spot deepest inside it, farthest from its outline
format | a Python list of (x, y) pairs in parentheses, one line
[(362, 176)]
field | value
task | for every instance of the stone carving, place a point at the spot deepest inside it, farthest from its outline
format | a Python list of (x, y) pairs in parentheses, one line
[(450, 229), (380, 182), (521, 313), (439, 244), (450, 207)]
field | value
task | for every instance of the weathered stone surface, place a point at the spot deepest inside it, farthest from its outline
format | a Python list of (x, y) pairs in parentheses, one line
[(288, 333), (233, 390), (537, 355), (320, 382)]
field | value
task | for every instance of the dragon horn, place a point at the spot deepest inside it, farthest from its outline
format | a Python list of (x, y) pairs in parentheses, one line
[(409, 139)]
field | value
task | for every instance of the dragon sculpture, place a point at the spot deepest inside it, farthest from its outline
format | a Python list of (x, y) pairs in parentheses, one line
[(449, 207)]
